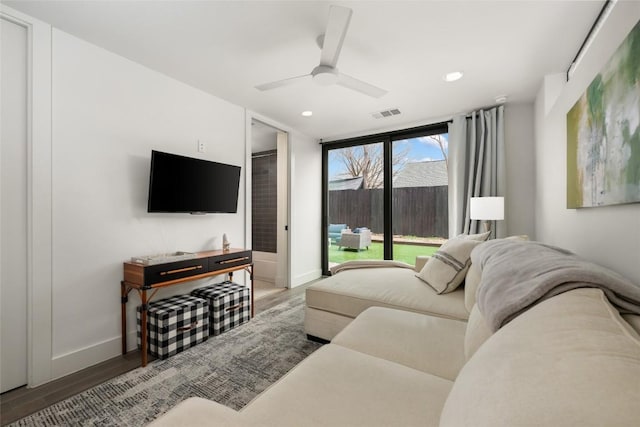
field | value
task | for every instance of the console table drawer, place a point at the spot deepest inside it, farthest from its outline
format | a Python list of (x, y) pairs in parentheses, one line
[(221, 262), (175, 270)]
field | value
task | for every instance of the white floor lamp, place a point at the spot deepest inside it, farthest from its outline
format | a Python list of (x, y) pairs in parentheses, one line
[(487, 209)]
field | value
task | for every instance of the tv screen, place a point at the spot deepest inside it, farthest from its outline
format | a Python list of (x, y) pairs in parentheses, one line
[(184, 184)]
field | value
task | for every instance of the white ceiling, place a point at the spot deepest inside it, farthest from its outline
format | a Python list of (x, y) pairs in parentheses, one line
[(227, 47)]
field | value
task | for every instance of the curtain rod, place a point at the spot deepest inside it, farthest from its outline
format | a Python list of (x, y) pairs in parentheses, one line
[(406, 132), (489, 107), (606, 8), (431, 129)]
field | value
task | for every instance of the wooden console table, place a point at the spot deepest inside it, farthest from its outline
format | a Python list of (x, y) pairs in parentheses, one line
[(145, 278)]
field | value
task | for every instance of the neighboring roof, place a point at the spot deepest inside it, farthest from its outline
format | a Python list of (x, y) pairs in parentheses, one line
[(422, 174), (346, 184)]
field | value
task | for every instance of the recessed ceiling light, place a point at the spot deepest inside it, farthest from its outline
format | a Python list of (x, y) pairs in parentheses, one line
[(453, 76), (501, 99), (307, 113)]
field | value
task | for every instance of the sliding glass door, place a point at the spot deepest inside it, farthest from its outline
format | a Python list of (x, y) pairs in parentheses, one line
[(385, 196), (355, 203), (419, 196)]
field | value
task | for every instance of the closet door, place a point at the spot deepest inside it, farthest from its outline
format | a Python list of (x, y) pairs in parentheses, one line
[(13, 206)]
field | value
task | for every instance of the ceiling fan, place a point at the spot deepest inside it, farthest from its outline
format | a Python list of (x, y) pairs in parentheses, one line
[(326, 73)]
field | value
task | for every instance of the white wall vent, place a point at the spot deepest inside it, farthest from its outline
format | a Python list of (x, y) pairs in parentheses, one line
[(386, 113)]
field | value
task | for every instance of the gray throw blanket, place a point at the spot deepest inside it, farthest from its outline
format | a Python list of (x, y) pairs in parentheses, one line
[(518, 274), (368, 263)]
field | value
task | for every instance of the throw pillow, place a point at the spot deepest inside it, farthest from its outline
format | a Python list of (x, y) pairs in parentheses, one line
[(446, 269), (480, 237)]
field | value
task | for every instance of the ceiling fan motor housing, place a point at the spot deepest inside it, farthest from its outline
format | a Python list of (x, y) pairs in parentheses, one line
[(325, 75)]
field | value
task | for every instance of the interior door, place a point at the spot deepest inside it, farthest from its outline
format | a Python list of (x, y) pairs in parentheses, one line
[(13, 205), (282, 267)]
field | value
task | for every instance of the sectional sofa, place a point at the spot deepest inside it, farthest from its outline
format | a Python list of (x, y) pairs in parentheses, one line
[(564, 359), (333, 303)]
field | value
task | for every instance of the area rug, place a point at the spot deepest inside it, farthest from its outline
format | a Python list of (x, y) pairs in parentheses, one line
[(231, 369)]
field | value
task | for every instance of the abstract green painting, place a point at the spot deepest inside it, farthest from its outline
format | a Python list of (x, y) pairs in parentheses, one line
[(603, 133)]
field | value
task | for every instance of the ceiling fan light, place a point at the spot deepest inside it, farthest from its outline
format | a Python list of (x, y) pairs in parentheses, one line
[(453, 76)]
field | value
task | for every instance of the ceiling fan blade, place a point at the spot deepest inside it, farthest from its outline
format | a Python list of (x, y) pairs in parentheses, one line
[(284, 82), (360, 86), (337, 26)]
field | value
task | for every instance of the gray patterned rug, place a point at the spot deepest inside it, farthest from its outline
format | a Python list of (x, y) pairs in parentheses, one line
[(231, 369)]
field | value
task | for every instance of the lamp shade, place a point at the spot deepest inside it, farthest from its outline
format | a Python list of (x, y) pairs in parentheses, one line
[(487, 208)]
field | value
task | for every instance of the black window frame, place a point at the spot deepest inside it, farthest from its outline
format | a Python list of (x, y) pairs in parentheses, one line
[(387, 139)]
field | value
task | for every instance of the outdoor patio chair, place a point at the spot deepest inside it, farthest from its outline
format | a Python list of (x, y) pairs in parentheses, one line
[(361, 240)]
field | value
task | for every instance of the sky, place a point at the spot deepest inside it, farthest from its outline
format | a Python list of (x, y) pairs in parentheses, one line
[(418, 150)]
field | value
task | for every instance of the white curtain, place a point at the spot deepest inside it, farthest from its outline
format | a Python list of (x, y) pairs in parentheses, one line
[(476, 167)]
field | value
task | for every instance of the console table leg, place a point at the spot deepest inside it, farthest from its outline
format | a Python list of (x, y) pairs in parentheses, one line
[(123, 307), (143, 326)]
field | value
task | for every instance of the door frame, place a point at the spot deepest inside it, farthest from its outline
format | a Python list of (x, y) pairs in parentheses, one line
[(283, 260), (39, 196)]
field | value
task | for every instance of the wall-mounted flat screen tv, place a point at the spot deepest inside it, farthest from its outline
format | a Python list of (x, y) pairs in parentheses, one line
[(185, 184)]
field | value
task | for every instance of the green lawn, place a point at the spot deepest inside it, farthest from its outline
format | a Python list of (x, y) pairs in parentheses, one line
[(401, 252)]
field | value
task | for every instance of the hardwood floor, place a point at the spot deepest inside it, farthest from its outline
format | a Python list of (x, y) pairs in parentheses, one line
[(19, 403)]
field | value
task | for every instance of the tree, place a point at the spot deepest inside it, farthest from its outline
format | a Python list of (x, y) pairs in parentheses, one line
[(367, 161), (441, 142)]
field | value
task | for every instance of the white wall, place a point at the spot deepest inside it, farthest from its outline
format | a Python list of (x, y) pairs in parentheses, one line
[(108, 114), (608, 235), (95, 119), (520, 154)]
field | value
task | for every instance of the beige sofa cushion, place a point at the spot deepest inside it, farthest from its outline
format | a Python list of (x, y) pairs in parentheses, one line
[(350, 292), (336, 386), (471, 283), (196, 412), (476, 334), (427, 343), (633, 320), (569, 361)]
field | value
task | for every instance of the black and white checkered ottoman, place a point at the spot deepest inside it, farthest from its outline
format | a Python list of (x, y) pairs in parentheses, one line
[(229, 305), (175, 324)]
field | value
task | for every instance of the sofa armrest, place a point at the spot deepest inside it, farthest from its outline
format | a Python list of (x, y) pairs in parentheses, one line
[(196, 411), (421, 260)]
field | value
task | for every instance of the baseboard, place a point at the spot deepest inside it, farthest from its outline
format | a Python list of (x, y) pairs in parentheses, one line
[(77, 360), (306, 277)]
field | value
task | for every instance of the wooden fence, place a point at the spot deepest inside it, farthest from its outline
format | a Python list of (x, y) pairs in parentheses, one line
[(417, 211)]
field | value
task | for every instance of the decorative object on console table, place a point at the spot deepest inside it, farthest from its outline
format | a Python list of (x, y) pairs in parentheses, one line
[(163, 258), (487, 209), (144, 278), (229, 305), (175, 324), (225, 243)]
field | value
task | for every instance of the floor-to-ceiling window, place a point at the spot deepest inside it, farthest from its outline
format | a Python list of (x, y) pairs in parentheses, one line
[(355, 202), (385, 196), (419, 195)]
